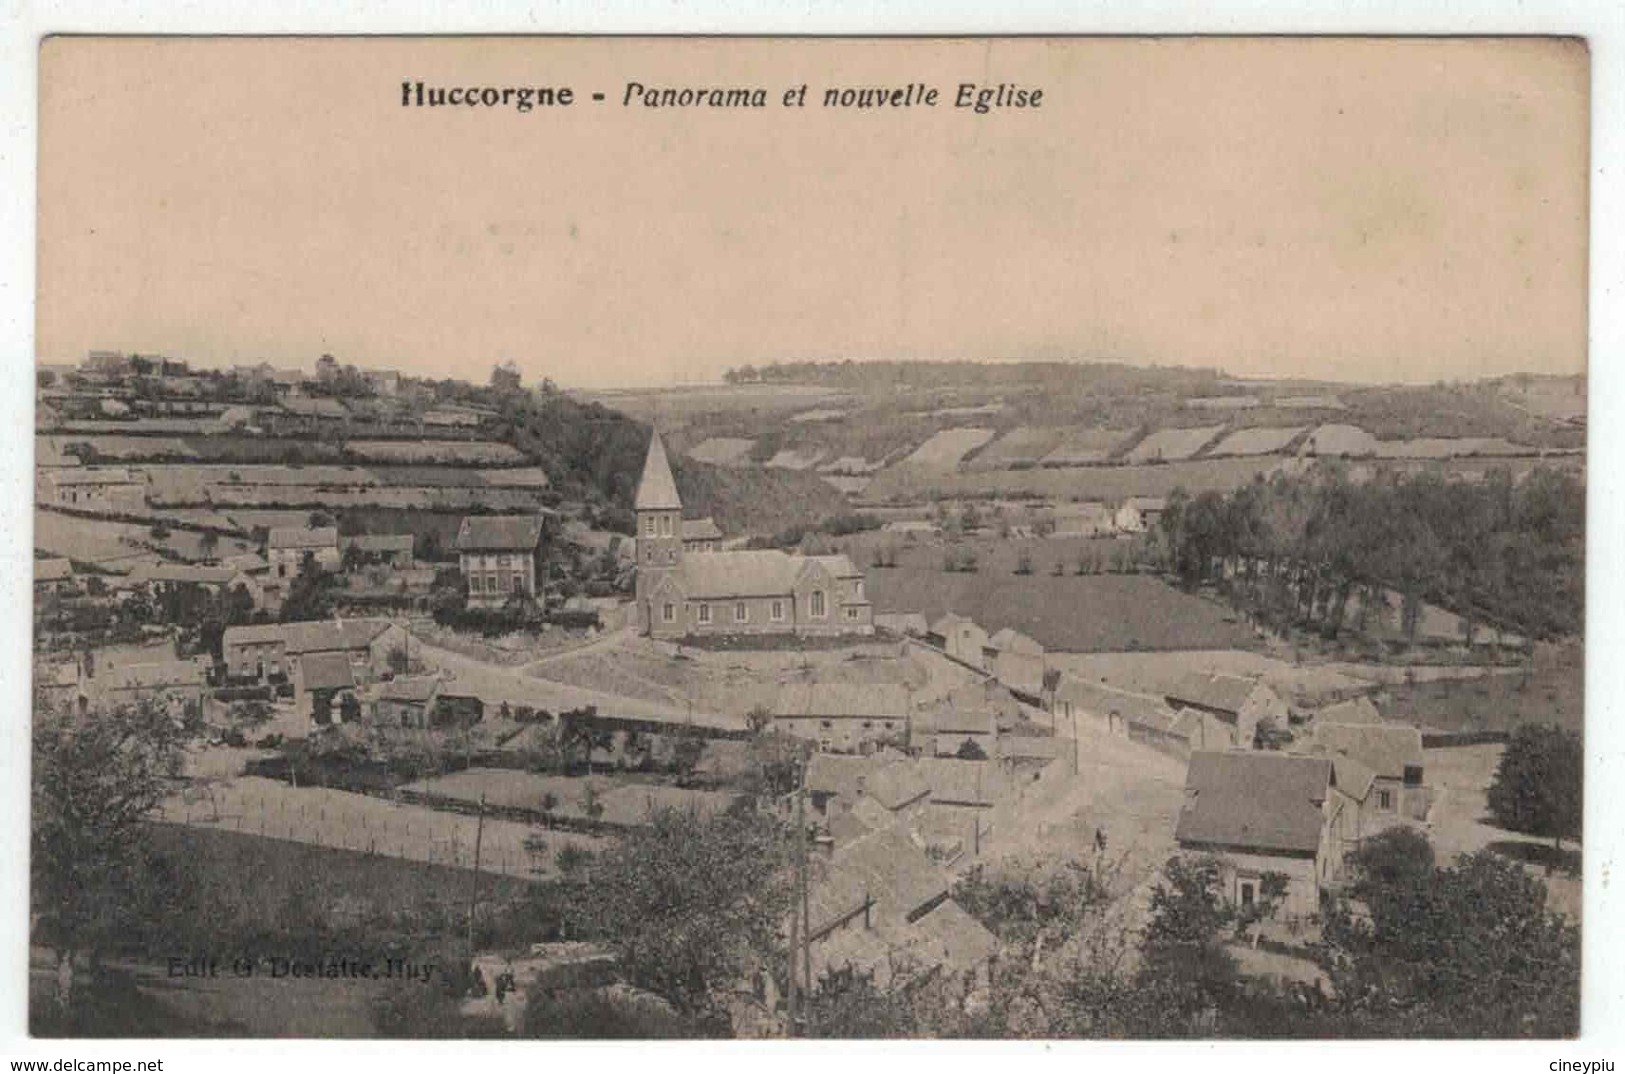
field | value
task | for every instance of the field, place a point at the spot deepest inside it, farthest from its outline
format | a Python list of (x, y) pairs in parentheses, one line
[(722, 451), (944, 450), (1265, 440), (1082, 446), (119, 545), (1158, 673), (465, 452), (1022, 446), (1071, 613), (1173, 445), (1551, 692), (679, 405), (1109, 484)]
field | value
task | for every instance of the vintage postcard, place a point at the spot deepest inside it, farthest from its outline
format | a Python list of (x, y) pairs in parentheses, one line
[(1036, 538)]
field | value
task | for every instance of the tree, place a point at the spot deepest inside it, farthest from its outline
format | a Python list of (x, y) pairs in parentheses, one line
[(96, 777), (1537, 787), (1183, 962), (759, 719), (691, 905)]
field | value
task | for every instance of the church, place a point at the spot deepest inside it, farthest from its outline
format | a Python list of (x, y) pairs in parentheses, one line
[(686, 590)]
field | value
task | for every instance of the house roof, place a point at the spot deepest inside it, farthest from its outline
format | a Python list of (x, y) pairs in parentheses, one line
[(1257, 800), (657, 490), (961, 942), (302, 537), (1029, 747), (52, 570), (185, 572), (891, 781), (415, 689), (1355, 710), (1147, 503), (1386, 748), (945, 625), (313, 637), (887, 866), (313, 406), (1011, 640), (701, 529), (379, 542), (976, 783), (327, 671), (884, 701), (1354, 778), (499, 533), (1212, 690), (960, 714), (902, 622)]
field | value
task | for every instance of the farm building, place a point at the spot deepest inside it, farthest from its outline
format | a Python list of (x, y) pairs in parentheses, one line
[(1391, 788), (95, 488), (842, 716), (853, 795), (176, 681), (961, 639), (320, 683), (1356, 710), (287, 546), (165, 577), (1261, 813), (733, 592), (1225, 710), (501, 555), (1113, 709)]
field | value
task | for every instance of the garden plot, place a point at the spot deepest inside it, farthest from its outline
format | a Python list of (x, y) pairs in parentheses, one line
[(1169, 445), (820, 414), (1261, 441), (122, 448), (1081, 447), (945, 449), (1021, 446), (722, 451), (795, 459), (1343, 441), (1451, 447), (317, 816)]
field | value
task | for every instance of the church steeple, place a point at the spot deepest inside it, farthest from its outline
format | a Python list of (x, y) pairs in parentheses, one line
[(657, 491), (659, 511)]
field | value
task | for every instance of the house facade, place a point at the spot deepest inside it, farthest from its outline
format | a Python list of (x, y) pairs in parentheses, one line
[(1388, 785), (1260, 813), (91, 488), (715, 593), (277, 650), (961, 639), (502, 555), (842, 717), (287, 546)]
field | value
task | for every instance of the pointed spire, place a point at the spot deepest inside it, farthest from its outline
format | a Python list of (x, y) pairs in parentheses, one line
[(657, 491)]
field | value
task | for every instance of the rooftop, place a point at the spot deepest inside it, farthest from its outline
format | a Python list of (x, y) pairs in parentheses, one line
[(327, 671), (499, 533), (657, 490), (1387, 749), (1270, 802), (1212, 690), (886, 701), (302, 537)]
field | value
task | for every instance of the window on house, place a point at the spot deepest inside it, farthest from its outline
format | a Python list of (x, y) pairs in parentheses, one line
[(1413, 775), (705, 613), (671, 555), (1385, 800), (1247, 894), (851, 613), (649, 555), (668, 612), (665, 525), (777, 610), (649, 526), (857, 588), (817, 603), (519, 582), (741, 613)]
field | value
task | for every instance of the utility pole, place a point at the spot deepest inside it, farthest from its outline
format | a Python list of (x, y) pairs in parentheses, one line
[(805, 908), (1075, 761), (795, 923), (474, 882)]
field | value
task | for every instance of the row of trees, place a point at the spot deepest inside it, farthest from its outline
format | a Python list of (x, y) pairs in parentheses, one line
[(1298, 550)]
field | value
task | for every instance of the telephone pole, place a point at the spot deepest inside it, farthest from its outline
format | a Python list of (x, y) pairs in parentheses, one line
[(474, 881)]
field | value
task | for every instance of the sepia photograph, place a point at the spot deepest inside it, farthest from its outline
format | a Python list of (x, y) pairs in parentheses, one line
[(849, 538)]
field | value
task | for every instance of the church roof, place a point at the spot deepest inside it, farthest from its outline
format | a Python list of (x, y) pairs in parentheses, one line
[(657, 491)]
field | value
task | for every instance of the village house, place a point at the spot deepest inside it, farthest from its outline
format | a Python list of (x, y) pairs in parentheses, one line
[(164, 577), (1386, 769), (961, 639), (1223, 711), (391, 549), (52, 576), (407, 702), (324, 685), (96, 488), (1259, 813), (701, 535), (1111, 709), (968, 713), (287, 546), (1137, 514), (178, 683), (502, 555), (733, 592), (853, 795), (845, 717), (275, 650), (1017, 661)]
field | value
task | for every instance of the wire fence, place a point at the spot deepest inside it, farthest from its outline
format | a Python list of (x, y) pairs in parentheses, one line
[(363, 825)]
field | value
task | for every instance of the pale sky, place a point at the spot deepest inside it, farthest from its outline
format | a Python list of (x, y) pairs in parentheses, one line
[(1340, 209)]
